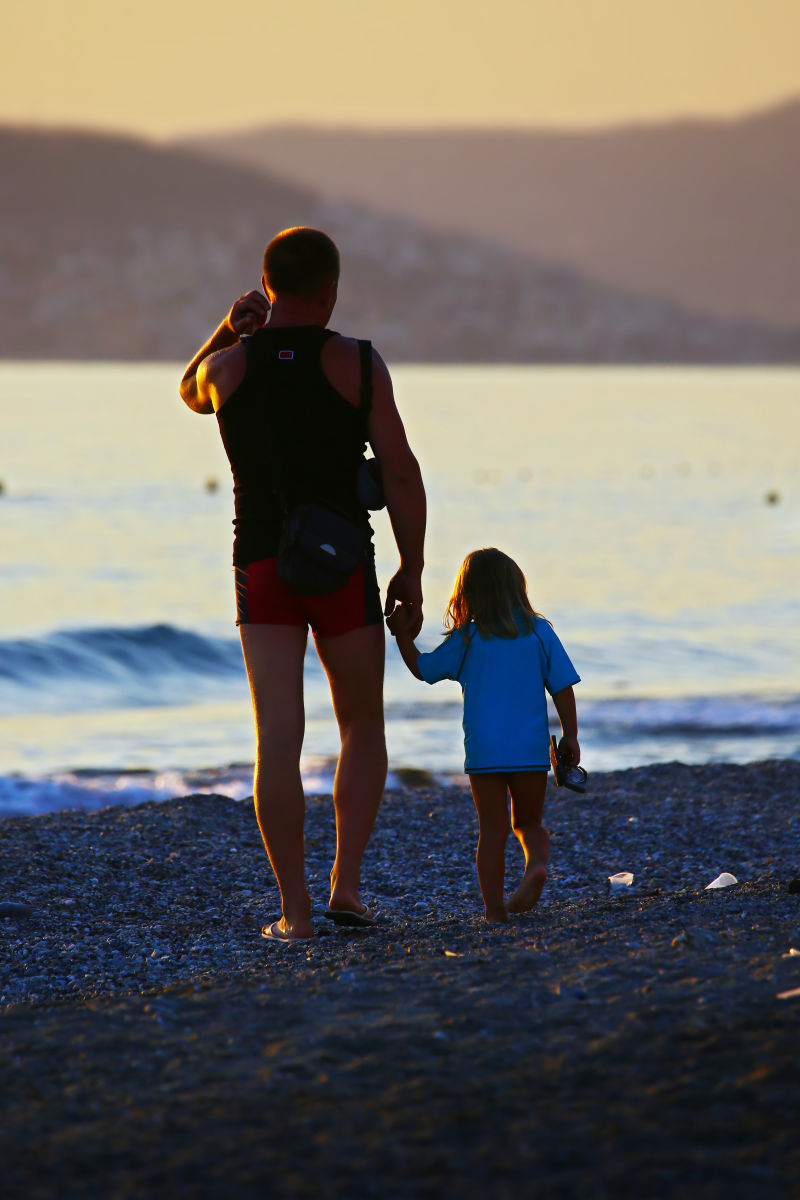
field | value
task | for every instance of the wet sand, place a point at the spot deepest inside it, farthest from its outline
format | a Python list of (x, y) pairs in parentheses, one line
[(641, 1042)]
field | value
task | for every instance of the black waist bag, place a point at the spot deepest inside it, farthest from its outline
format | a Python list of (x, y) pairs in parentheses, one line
[(319, 550)]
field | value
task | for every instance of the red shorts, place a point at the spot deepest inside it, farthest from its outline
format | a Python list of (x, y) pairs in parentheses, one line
[(262, 599)]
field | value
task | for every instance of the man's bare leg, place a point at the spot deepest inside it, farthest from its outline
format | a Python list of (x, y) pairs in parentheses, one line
[(273, 655), (527, 804), (354, 664)]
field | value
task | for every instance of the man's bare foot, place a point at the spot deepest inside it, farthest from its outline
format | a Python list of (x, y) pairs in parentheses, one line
[(282, 931), (496, 916), (530, 888), (344, 901)]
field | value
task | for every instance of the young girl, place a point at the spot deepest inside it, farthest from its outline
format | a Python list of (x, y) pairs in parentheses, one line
[(504, 655)]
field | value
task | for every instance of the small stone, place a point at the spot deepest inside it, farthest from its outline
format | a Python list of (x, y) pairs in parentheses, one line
[(15, 908), (701, 937), (794, 886), (622, 879), (722, 881)]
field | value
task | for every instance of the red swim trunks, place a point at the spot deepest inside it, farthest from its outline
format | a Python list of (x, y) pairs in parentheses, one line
[(262, 599)]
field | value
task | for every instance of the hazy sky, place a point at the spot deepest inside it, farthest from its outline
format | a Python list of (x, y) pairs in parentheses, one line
[(168, 66)]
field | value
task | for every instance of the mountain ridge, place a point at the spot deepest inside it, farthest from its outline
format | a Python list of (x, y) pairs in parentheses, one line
[(113, 247), (698, 211)]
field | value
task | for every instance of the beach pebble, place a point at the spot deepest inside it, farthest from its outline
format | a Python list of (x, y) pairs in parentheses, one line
[(622, 879), (696, 937), (201, 913), (15, 908), (794, 886), (722, 881)]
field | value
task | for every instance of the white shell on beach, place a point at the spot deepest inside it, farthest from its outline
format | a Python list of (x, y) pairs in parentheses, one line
[(723, 880), (622, 879)]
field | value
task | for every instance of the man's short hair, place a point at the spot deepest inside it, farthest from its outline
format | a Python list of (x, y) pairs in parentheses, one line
[(300, 262)]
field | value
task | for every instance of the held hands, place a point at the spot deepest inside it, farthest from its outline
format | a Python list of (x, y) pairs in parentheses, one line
[(249, 313), (404, 624), (401, 622), (403, 607)]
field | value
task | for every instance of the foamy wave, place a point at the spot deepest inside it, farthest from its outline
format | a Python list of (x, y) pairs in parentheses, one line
[(90, 789)]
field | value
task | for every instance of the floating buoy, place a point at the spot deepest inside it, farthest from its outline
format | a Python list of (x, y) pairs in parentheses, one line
[(772, 498), (211, 485)]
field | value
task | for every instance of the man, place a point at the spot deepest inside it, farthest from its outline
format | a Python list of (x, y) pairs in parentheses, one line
[(296, 377)]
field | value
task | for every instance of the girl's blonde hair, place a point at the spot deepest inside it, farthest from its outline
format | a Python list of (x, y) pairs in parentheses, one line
[(490, 590)]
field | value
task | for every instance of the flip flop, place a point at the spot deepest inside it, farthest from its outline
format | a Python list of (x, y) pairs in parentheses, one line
[(274, 933), (574, 778), (345, 916)]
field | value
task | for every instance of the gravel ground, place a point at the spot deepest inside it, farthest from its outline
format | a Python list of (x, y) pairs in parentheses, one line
[(634, 1042)]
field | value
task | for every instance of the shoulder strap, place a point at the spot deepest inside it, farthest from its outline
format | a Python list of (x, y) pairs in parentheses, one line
[(470, 636), (365, 354)]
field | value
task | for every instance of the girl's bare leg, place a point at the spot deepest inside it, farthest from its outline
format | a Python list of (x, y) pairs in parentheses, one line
[(490, 793), (527, 803)]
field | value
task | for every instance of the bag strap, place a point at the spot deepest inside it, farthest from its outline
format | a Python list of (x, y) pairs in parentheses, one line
[(365, 355), (470, 637)]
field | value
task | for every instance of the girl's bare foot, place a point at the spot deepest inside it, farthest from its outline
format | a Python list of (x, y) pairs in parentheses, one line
[(496, 916), (530, 888)]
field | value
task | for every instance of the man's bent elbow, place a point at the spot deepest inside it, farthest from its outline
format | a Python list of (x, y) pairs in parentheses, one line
[(188, 394)]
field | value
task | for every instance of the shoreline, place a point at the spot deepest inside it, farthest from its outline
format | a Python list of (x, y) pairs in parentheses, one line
[(633, 1042)]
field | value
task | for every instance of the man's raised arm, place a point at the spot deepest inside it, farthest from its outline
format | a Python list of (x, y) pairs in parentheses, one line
[(249, 313)]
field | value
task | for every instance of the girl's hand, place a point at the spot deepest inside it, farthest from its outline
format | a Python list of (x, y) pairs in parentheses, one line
[(570, 751), (405, 591), (401, 621)]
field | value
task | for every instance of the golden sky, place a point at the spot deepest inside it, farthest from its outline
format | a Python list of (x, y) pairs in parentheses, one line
[(162, 67)]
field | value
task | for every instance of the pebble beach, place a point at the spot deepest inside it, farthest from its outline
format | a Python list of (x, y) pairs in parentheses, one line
[(618, 1040)]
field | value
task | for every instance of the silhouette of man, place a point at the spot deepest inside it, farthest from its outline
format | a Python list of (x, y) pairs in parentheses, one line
[(297, 374)]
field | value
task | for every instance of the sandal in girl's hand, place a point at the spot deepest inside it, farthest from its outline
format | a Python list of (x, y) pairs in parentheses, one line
[(574, 778)]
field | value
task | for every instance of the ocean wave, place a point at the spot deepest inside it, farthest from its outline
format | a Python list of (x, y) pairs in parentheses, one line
[(142, 665), (692, 716)]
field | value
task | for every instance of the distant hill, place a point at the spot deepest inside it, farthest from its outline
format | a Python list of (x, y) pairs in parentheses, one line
[(118, 248), (115, 248), (701, 212)]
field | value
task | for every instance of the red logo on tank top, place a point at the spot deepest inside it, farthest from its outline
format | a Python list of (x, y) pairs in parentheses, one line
[(286, 354)]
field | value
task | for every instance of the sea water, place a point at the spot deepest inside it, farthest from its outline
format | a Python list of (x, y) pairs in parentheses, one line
[(655, 512)]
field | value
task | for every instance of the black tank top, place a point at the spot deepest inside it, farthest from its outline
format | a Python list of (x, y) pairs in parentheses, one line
[(285, 406)]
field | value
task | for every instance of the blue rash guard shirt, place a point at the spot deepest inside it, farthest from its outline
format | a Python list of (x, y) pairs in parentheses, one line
[(504, 681)]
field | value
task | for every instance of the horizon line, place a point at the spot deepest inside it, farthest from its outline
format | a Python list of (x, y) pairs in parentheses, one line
[(404, 126)]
